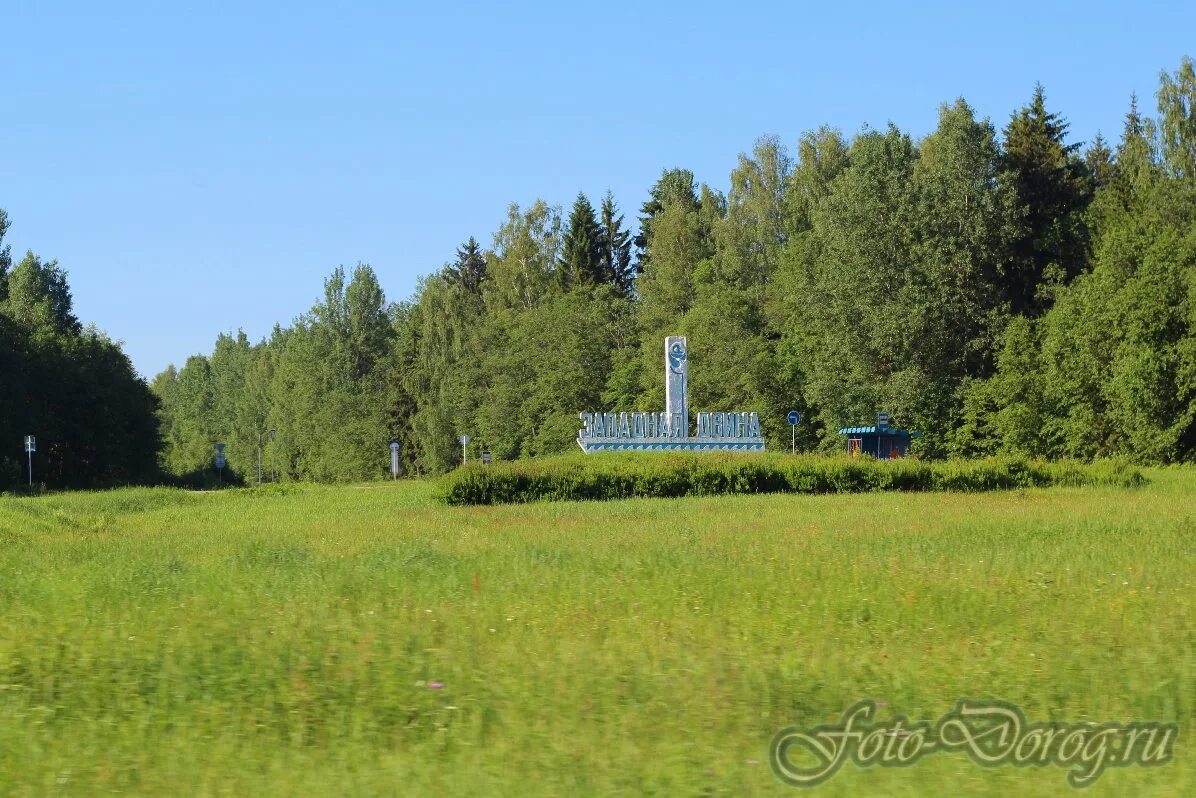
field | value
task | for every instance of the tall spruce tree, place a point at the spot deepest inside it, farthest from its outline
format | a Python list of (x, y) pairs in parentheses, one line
[(1054, 190), (1098, 159), (615, 247), (581, 248), (1136, 162), (469, 269)]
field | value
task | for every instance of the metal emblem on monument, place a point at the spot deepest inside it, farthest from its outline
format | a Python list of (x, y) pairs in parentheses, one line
[(676, 385)]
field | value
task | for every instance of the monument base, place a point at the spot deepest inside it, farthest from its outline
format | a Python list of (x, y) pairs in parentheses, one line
[(591, 445)]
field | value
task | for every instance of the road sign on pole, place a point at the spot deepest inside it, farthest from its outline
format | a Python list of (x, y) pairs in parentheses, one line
[(395, 448), (794, 420), (882, 425), (30, 448), (464, 442), (486, 457), (220, 460)]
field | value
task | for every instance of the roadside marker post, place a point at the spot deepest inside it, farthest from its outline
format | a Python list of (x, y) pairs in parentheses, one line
[(794, 420), (30, 448)]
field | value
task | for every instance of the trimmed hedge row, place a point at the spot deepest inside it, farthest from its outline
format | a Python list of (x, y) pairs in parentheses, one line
[(659, 474)]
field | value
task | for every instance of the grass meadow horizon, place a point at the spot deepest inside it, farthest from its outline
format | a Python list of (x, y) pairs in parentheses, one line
[(367, 639)]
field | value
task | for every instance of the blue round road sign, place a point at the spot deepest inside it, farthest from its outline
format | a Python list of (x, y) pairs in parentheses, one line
[(794, 417)]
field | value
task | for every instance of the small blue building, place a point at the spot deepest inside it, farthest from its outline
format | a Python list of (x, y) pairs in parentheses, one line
[(883, 444)]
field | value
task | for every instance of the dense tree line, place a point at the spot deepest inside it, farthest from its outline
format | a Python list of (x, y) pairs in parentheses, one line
[(999, 290), (69, 385), (319, 397)]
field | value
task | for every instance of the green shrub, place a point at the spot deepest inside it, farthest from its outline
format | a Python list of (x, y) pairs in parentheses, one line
[(671, 474)]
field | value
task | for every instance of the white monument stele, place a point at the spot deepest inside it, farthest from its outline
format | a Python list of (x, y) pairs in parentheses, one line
[(670, 430)]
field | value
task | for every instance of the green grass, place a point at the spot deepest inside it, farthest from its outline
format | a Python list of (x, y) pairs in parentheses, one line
[(289, 642)]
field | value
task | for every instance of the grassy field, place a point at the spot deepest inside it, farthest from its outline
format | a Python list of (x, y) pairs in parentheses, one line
[(366, 640)]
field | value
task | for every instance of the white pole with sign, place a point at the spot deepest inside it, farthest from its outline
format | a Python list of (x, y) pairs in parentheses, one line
[(794, 420), (395, 448), (30, 448), (464, 443)]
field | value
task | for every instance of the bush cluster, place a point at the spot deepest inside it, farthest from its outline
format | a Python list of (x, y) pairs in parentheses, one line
[(621, 476)]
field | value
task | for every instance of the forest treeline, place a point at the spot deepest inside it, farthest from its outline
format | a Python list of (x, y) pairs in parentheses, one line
[(1000, 290), (69, 385)]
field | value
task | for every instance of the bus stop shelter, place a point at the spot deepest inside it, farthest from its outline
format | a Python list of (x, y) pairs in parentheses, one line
[(885, 444)]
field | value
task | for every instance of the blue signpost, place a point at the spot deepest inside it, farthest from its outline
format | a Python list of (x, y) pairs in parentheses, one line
[(220, 460), (794, 420)]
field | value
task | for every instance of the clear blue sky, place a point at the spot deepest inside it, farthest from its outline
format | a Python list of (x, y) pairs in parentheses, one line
[(203, 169)]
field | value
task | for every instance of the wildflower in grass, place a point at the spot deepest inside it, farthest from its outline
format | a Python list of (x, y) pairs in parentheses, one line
[(435, 685)]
